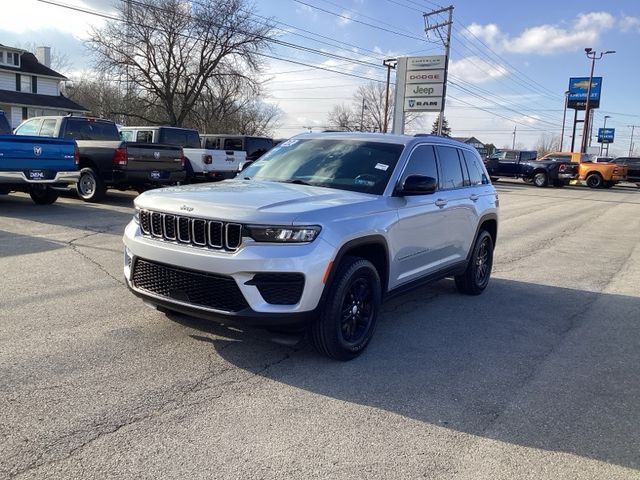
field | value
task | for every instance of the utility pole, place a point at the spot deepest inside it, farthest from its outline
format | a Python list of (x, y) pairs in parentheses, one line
[(389, 63), (513, 145), (593, 56), (633, 127), (564, 117), (446, 41), (362, 116)]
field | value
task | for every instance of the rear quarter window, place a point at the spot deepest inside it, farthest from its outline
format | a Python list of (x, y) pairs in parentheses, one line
[(451, 175), (87, 129)]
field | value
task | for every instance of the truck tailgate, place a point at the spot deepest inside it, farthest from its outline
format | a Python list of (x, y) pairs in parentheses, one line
[(156, 160), (39, 158)]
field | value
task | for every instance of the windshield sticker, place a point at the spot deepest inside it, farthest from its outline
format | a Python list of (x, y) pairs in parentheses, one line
[(289, 143), (382, 166)]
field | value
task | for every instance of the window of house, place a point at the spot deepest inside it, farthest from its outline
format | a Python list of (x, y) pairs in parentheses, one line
[(1, 57), (9, 58), (25, 83)]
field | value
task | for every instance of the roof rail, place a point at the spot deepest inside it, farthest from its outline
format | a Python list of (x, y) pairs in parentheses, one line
[(426, 135)]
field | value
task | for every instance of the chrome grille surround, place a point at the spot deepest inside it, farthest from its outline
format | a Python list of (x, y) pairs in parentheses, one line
[(197, 232)]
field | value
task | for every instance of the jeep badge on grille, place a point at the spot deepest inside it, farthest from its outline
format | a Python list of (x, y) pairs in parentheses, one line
[(186, 208)]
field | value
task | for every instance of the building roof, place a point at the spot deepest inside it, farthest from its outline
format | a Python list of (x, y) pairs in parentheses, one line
[(59, 102), (30, 64), (468, 140)]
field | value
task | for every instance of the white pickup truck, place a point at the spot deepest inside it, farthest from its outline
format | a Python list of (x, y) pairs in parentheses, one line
[(202, 163)]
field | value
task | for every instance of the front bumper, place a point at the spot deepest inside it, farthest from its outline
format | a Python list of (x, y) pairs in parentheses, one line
[(63, 178), (310, 260)]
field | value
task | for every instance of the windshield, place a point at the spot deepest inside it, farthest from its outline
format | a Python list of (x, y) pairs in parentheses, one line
[(360, 166)]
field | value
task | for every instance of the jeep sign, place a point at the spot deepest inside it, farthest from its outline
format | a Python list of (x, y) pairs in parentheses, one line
[(423, 90)]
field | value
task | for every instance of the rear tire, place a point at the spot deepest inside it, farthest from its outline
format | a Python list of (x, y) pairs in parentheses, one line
[(594, 180), (43, 194), (348, 317), (90, 186), (540, 179), (476, 277)]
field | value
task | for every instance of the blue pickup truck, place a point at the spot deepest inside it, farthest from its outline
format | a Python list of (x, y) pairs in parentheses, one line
[(35, 164)]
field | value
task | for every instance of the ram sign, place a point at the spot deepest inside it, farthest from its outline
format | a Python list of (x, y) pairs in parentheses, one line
[(578, 87), (431, 104)]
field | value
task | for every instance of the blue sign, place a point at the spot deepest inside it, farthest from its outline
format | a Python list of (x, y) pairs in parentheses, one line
[(606, 135), (578, 87)]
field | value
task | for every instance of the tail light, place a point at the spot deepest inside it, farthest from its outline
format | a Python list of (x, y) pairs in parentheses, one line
[(76, 154), (119, 157), (208, 159), (183, 161), (562, 168)]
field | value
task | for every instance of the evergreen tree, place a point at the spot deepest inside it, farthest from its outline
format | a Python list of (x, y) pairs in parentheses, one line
[(446, 130)]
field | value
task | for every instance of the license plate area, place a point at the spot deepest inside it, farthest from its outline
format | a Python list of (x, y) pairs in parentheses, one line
[(36, 175), (155, 175)]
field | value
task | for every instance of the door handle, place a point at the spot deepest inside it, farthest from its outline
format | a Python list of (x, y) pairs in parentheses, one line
[(474, 197), (441, 202)]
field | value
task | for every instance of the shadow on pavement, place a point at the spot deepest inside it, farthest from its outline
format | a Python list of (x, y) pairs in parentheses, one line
[(532, 365)]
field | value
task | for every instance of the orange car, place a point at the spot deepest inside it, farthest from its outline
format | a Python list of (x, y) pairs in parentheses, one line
[(595, 175)]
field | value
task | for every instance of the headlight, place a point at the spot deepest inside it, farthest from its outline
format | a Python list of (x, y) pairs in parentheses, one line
[(283, 234), (136, 216)]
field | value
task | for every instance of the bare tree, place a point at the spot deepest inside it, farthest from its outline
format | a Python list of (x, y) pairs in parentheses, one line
[(168, 52), (547, 143), (342, 117)]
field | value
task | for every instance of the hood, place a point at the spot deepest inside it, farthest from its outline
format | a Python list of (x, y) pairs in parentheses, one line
[(248, 200)]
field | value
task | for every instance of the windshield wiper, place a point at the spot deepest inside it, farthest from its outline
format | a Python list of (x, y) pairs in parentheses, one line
[(297, 181)]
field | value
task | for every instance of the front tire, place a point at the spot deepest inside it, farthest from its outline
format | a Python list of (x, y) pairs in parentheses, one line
[(348, 317), (43, 194), (90, 186), (540, 179), (478, 272)]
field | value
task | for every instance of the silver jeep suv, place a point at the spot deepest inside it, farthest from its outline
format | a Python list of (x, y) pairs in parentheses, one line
[(316, 234)]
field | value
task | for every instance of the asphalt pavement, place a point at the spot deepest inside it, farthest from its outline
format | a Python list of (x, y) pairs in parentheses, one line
[(538, 378)]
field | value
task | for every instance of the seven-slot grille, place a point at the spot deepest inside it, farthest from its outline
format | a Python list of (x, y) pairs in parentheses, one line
[(192, 231)]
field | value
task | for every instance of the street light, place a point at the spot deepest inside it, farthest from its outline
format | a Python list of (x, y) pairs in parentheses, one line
[(604, 127), (593, 56), (564, 116)]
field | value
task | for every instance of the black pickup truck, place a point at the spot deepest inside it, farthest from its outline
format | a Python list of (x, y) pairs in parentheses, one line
[(523, 164), (105, 160)]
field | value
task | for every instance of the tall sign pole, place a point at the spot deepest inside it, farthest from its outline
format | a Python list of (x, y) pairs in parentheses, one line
[(398, 99), (447, 48), (389, 63)]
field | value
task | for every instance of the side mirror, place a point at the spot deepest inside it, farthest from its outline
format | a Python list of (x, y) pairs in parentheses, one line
[(417, 185)]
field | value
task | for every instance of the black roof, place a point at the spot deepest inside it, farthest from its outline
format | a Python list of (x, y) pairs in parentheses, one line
[(59, 102), (30, 64)]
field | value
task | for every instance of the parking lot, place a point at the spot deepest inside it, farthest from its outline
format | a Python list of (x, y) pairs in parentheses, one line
[(536, 378)]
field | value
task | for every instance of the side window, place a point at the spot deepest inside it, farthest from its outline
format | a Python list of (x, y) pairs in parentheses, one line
[(126, 136), (144, 136), (477, 175), (48, 128), (211, 143), (193, 140), (450, 169), (233, 144), (421, 162), (30, 127), (256, 147)]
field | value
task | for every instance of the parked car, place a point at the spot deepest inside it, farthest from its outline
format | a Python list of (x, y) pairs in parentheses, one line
[(200, 163), (105, 160), (330, 224), (253, 147), (523, 164), (35, 165), (595, 175), (633, 167)]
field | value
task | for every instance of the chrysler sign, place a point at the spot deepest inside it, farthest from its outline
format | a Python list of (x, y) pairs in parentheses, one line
[(423, 90), (426, 63)]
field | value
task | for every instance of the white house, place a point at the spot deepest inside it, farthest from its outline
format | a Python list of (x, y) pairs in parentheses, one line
[(29, 87)]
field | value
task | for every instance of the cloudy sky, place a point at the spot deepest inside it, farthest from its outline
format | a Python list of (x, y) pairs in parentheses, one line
[(510, 61)]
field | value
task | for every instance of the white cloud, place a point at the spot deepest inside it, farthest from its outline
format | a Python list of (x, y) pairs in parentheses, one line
[(548, 39), (476, 70), (344, 19), (628, 23)]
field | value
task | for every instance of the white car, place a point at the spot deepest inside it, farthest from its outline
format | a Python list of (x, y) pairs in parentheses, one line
[(316, 233)]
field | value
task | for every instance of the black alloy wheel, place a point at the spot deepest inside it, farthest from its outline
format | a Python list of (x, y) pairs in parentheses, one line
[(540, 179), (594, 180), (478, 272)]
